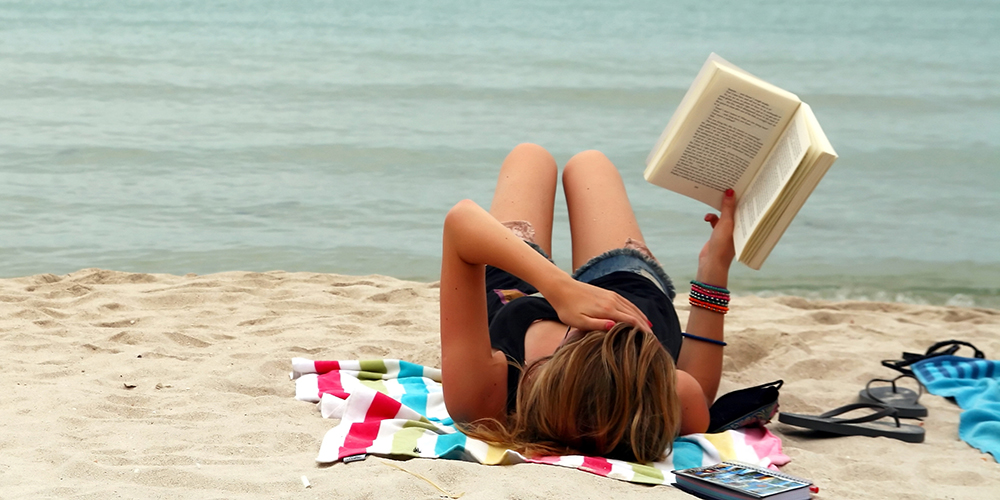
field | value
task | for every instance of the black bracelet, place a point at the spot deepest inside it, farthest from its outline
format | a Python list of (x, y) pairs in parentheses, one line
[(704, 339)]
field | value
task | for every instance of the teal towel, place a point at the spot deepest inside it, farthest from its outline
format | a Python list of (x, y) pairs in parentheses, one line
[(975, 385)]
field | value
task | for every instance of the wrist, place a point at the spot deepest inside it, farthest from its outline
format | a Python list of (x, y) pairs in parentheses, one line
[(713, 275), (551, 280)]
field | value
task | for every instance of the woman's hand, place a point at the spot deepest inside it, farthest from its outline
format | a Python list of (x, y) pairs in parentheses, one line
[(587, 307), (717, 254)]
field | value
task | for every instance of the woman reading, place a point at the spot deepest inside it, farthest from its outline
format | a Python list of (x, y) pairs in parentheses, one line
[(595, 362)]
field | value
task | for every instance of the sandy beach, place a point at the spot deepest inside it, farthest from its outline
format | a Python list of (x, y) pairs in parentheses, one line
[(122, 385)]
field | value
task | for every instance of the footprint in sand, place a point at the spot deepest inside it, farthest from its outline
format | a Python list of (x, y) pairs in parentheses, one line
[(400, 296), (186, 340)]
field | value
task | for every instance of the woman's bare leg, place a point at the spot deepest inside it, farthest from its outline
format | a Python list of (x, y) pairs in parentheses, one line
[(600, 214), (526, 190)]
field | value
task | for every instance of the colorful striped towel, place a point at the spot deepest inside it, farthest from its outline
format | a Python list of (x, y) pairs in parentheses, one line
[(395, 408), (975, 385)]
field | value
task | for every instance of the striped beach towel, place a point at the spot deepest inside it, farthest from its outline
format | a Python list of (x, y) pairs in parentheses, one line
[(395, 408)]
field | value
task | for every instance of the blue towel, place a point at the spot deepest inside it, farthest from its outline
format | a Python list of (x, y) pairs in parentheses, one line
[(975, 385)]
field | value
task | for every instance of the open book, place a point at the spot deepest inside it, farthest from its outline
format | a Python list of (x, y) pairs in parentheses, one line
[(734, 130)]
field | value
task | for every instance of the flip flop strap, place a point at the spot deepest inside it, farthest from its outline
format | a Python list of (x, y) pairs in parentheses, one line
[(954, 346), (909, 358), (883, 411), (868, 386), (900, 365)]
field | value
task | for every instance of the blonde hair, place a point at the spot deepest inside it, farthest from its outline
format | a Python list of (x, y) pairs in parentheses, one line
[(609, 394)]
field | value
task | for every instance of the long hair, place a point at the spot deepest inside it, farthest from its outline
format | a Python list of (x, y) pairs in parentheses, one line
[(610, 394)]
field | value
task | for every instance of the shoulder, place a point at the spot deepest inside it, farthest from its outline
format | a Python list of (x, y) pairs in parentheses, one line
[(694, 408), (483, 395)]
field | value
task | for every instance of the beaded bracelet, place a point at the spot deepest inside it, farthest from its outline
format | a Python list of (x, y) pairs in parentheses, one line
[(710, 287), (704, 339), (705, 305), (708, 298), (710, 293), (713, 298)]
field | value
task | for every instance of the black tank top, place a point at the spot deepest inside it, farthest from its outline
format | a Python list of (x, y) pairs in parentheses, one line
[(511, 310)]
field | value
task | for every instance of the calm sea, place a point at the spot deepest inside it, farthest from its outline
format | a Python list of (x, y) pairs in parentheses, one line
[(333, 135)]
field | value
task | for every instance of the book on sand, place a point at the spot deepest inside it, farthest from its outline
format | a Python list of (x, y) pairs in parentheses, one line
[(738, 481), (733, 130)]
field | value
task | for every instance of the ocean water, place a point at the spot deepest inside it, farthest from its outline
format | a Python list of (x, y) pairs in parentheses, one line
[(333, 136)]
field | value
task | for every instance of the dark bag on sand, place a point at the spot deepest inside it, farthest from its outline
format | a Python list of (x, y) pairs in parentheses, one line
[(745, 407)]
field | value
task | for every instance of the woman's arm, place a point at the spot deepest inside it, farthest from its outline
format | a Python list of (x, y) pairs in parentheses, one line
[(703, 360), (473, 377), (694, 409)]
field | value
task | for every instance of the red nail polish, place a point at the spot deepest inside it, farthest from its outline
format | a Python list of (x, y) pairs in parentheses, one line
[(730, 192), (708, 217), (609, 325)]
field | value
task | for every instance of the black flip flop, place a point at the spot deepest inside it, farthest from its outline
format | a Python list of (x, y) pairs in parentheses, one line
[(944, 348), (861, 426), (904, 400)]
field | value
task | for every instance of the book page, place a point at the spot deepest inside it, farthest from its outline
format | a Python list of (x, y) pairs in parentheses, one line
[(794, 195), (775, 172), (725, 137)]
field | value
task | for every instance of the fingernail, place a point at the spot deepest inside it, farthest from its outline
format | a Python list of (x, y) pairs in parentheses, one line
[(650, 323), (609, 325), (708, 217), (730, 192)]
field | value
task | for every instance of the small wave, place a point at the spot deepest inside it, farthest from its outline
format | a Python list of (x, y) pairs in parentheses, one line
[(985, 299)]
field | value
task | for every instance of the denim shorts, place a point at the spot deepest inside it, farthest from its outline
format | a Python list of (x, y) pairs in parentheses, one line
[(626, 259), (621, 259)]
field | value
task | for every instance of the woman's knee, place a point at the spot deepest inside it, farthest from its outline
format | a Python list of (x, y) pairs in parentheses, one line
[(531, 150), (531, 159), (588, 163)]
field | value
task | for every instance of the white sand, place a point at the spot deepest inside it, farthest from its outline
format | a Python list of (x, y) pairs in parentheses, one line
[(122, 385)]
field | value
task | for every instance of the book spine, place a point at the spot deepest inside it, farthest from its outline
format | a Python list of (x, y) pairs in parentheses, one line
[(705, 490)]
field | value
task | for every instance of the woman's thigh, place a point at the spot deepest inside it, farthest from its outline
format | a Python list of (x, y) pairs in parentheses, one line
[(600, 214), (526, 190)]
